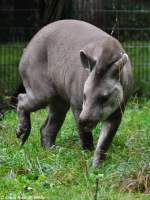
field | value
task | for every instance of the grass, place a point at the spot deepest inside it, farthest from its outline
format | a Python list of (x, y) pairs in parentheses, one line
[(65, 172), (9, 60), (139, 52)]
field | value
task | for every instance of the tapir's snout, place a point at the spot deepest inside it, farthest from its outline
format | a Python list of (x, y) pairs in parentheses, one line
[(86, 123)]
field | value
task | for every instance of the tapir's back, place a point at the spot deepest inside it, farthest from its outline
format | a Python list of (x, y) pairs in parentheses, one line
[(66, 39), (63, 39), (54, 52)]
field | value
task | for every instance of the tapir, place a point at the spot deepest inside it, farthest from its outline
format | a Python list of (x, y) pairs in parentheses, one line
[(73, 64)]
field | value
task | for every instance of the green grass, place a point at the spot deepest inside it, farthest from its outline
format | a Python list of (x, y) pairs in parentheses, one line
[(139, 52), (65, 172), (9, 60)]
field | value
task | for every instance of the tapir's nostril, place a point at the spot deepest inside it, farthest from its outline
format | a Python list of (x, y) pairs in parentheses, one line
[(83, 121)]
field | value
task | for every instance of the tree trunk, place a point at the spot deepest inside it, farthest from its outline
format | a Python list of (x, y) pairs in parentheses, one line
[(50, 10)]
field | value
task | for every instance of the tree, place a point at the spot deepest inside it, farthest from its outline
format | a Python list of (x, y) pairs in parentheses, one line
[(50, 10)]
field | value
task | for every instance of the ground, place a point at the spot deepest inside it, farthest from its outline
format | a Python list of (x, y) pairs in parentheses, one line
[(65, 171)]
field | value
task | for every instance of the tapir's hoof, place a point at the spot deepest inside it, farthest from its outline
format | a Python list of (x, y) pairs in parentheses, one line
[(96, 164), (98, 160), (87, 144), (88, 147), (47, 144), (23, 134)]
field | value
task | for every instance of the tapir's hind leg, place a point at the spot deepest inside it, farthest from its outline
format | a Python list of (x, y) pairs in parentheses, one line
[(26, 104), (57, 112)]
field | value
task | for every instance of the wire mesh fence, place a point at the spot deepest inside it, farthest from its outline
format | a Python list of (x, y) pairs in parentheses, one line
[(126, 20)]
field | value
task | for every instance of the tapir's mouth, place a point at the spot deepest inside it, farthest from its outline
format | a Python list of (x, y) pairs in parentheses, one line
[(88, 125)]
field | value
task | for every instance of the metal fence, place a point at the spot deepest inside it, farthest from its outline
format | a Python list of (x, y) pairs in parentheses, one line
[(126, 20), (14, 35)]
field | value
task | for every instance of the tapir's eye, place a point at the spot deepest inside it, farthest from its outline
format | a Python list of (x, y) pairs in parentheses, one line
[(104, 97)]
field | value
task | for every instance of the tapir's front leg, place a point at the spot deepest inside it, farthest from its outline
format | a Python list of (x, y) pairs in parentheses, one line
[(109, 128), (86, 138)]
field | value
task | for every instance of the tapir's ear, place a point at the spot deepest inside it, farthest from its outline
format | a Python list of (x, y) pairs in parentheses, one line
[(118, 65), (87, 61)]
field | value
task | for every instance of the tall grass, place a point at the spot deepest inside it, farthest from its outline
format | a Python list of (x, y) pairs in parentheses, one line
[(65, 172)]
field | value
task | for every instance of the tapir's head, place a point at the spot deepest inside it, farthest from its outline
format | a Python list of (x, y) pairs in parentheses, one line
[(103, 92)]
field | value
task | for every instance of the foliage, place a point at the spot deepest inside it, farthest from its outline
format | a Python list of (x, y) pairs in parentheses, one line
[(9, 60), (139, 52), (65, 172)]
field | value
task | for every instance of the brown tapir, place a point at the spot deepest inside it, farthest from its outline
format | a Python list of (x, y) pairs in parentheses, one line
[(71, 63)]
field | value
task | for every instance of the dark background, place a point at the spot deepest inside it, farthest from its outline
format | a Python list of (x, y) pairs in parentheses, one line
[(20, 18), (129, 21)]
